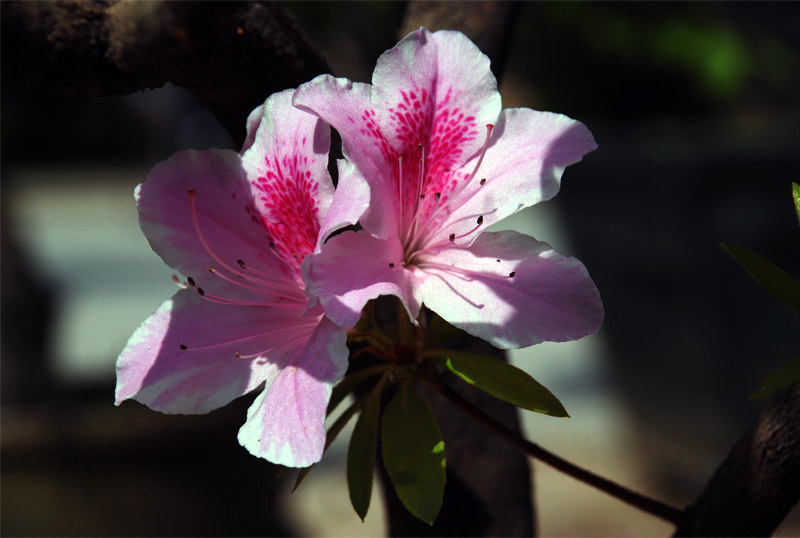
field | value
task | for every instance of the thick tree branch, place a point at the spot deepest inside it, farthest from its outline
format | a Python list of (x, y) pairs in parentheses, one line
[(759, 482), (232, 55)]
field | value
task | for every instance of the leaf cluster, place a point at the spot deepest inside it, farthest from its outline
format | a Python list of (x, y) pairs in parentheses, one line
[(396, 419)]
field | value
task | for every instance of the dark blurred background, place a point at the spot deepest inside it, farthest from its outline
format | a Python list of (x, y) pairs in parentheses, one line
[(696, 110)]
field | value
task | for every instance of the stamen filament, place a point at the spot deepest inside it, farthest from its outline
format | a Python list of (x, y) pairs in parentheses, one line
[(468, 274), (292, 297), (416, 234), (266, 283), (400, 193), (235, 302), (276, 346), (246, 338), (411, 232)]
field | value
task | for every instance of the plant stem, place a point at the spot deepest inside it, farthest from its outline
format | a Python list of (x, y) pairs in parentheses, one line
[(642, 502)]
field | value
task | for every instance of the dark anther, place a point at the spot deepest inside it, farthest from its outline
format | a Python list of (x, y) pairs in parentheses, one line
[(211, 269), (452, 237), (512, 273), (391, 265), (483, 182), (294, 254), (237, 354), (272, 245), (241, 263), (437, 196), (200, 292), (190, 280), (422, 196), (480, 220), (183, 347)]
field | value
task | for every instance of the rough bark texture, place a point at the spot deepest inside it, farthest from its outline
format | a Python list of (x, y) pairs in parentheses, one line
[(232, 55), (758, 483)]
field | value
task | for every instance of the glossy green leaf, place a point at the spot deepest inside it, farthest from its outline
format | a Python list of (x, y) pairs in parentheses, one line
[(781, 378), (413, 452), (361, 454), (504, 381), (796, 196), (771, 277)]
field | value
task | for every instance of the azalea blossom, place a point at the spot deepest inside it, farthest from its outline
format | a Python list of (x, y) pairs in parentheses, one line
[(238, 227), (443, 163)]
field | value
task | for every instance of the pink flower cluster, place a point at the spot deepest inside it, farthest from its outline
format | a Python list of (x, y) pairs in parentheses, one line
[(431, 161)]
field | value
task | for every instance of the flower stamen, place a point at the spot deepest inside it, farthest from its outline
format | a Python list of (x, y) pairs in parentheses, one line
[(266, 283), (416, 235), (249, 337)]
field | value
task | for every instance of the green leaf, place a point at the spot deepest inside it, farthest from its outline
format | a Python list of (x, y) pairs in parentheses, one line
[(361, 454), (349, 383), (782, 377), (503, 381), (439, 331), (796, 195), (771, 277), (413, 452)]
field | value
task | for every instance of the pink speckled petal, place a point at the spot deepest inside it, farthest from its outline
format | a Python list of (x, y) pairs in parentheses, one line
[(436, 90), (287, 166), (550, 297), (285, 424), (226, 216), (155, 370), (528, 153), (347, 107), (354, 267)]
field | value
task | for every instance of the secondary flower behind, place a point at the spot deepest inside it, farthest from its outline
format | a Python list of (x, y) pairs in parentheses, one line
[(443, 163), (238, 227)]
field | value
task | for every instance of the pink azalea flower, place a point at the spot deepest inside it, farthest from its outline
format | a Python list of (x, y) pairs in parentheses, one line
[(238, 227), (443, 163)]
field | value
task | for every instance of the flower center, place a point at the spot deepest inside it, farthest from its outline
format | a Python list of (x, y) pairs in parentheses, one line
[(432, 207), (284, 291), (277, 289)]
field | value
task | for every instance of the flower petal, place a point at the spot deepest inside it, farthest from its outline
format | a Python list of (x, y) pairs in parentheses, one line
[(550, 297), (253, 121), (350, 201), (436, 90), (434, 94), (527, 155), (285, 424), (347, 107), (287, 166), (353, 268), (183, 358), (226, 216)]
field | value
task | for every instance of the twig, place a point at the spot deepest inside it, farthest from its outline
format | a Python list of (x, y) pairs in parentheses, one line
[(642, 502)]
